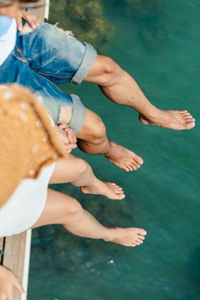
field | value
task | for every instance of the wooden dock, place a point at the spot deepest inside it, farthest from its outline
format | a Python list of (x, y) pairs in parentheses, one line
[(15, 250), (42, 12), (15, 255)]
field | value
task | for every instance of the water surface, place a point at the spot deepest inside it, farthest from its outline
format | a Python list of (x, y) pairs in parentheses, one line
[(158, 43)]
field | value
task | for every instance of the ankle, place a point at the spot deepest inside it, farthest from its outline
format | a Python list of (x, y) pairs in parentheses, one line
[(152, 114), (110, 234), (93, 182), (109, 149)]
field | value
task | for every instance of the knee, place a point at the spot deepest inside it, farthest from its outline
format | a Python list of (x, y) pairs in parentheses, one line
[(82, 166), (110, 66), (71, 211), (99, 131), (110, 69)]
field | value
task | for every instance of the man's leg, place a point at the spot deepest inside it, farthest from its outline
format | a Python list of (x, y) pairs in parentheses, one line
[(79, 173), (55, 69), (67, 211), (93, 139), (121, 88)]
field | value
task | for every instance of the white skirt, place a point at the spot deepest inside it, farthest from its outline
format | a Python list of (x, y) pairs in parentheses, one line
[(26, 204)]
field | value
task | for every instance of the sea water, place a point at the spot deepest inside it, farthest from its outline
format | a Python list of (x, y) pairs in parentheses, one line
[(158, 43)]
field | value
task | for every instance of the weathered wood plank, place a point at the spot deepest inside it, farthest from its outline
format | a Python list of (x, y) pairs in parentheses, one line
[(38, 11), (26, 263), (17, 256), (1, 248), (1, 244), (41, 12)]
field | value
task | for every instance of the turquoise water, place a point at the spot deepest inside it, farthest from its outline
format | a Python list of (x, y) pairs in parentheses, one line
[(158, 43)]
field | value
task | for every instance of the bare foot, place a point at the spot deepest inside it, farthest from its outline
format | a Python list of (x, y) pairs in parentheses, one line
[(123, 158), (129, 237), (172, 119), (108, 189)]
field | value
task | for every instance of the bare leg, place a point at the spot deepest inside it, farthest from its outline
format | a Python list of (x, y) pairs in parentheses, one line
[(65, 210), (79, 173), (121, 88), (93, 139)]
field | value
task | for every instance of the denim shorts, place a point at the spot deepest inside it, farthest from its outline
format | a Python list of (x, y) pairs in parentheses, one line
[(48, 56)]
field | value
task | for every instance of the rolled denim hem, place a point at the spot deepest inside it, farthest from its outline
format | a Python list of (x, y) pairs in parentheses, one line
[(86, 65), (78, 115)]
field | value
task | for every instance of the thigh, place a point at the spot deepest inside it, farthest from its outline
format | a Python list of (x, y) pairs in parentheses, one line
[(18, 71), (58, 206), (67, 170), (56, 54)]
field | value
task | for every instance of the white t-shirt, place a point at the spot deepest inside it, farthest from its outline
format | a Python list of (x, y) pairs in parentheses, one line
[(26, 204), (8, 41)]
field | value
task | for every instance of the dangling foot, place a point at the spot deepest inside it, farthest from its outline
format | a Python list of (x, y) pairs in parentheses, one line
[(107, 189), (123, 158), (129, 237), (172, 119)]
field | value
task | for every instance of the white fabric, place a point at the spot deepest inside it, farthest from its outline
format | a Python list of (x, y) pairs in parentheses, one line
[(26, 204), (8, 41)]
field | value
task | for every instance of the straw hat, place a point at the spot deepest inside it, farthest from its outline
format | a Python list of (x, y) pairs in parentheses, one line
[(28, 138)]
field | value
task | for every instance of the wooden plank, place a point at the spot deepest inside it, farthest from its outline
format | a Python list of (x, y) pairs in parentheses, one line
[(46, 11), (41, 12), (17, 256), (1, 249), (1, 244), (26, 263), (38, 11)]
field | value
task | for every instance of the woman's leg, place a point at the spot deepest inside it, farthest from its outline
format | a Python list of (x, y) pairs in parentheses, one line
[(65, 210), (79, 173)]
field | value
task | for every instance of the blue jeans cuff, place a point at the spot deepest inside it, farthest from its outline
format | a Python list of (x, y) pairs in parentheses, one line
[(86, 65), (78, 115)]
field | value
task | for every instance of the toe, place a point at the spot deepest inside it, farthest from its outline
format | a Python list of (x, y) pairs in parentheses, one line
[(118, 188), (187, 116), (141, 237), (134, 166), (188, 119), (125, 168), (119, 191), (189, 125), (139, 241), (141, 231), (139, 160), (131, 168)]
